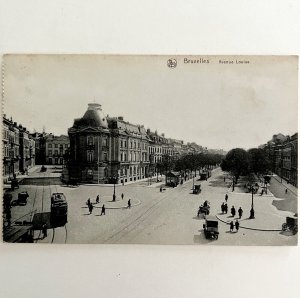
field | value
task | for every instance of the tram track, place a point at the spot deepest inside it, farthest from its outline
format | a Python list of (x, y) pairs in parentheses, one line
[(42, 208), (124, 231)]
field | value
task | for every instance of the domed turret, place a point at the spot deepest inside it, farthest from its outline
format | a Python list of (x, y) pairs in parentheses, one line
[(94, 117)]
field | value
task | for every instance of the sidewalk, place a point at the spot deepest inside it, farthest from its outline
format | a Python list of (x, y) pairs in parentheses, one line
[(286, 185)]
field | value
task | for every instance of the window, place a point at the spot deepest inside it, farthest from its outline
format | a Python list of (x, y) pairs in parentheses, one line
[(50, 161), (125, 157), (56, 161), (90, 141), (50, 152), (56, 152), (56, 145), (121, 144), (90, 156), (105, 156), (49, 145), (66, 145), (125, 144)]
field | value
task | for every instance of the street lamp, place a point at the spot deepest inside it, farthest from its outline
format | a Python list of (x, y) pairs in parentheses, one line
[(115, 177), (252, 205)]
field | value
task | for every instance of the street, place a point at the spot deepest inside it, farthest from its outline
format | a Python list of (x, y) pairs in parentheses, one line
[(155, 217)]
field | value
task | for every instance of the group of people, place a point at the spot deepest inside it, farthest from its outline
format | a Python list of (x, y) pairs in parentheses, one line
[(224, 208), (91, 206), (236, 225)]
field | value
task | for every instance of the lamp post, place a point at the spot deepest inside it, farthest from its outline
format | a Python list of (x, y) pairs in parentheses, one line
[(252, 205), (115, 177)]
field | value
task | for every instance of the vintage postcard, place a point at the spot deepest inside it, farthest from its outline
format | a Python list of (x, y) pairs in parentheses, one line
[(112, 149)]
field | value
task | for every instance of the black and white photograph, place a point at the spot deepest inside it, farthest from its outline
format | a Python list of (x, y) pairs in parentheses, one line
[(157, 149)]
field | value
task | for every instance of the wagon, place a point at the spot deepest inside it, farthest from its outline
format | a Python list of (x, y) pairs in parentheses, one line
[(291, 224)]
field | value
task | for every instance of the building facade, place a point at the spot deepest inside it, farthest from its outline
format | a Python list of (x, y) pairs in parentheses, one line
[(282, 152), (110, 150), (18, 149)]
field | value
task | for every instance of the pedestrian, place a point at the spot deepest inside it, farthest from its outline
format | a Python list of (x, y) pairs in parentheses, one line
[(160, 189), (222, 208), (231, 226), (129, 203), (240, 211), (88, 202), (233, 211), (122, 196), (286, 190), (262, 192), (199, 211), (237, 225), (91, 208), (97, 199), (103, 210), (226, 198), (226, 208), (44, 230)]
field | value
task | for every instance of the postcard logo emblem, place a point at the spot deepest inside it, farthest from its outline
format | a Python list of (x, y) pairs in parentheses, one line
[(172, 63)]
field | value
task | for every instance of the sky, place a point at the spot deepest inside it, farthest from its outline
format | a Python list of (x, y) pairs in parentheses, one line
[(216, 105)]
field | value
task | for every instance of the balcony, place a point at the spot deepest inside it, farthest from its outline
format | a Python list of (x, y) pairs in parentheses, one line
[(90, 146)]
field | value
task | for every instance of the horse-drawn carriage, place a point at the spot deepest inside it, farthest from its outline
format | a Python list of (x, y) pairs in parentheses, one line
[(204, 208)]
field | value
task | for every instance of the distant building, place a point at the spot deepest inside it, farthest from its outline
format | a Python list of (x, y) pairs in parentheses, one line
[(55, 149), (18, 149), (282, 152)]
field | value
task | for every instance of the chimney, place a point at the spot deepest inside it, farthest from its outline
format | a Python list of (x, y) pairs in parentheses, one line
[(121, 118)]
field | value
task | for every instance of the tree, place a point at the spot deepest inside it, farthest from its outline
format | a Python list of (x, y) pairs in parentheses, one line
[(258, 161), (236, 162)]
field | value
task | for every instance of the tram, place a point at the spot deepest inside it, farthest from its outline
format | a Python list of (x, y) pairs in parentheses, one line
[(59, 210)]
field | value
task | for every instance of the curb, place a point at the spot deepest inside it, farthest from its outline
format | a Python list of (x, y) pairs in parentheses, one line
[(253, 229)]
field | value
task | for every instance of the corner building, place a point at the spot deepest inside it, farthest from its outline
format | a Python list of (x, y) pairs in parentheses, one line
[(107, 150)]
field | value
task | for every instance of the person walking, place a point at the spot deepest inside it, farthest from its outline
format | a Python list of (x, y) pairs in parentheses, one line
[(225, 208), (222, 207), (129, 204), (103, 210), (231, 226), (97, 199), (286, 191), (237, 225), (233, 211), (122, 196), (44, 230), (240, 211), (88, 202), (226, 198), (91, 207)]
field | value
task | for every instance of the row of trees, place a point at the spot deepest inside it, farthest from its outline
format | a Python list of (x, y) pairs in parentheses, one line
[(240, 162), (189, 162)]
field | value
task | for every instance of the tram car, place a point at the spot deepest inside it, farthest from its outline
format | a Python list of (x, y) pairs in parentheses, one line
[(59, 209)]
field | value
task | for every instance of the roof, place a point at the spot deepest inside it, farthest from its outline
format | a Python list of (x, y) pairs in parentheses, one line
[(211, 218), (173, 174), (94, 117)]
